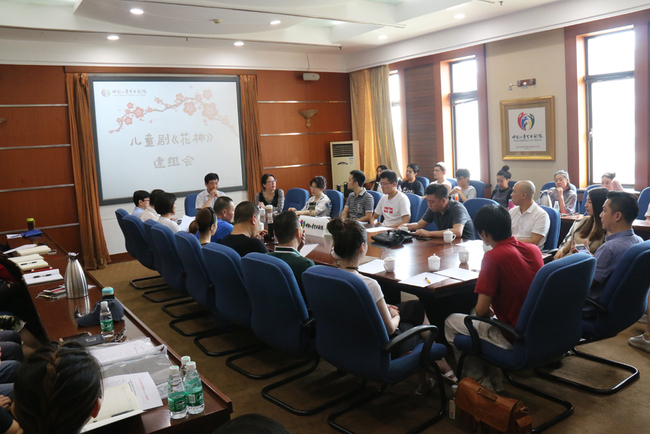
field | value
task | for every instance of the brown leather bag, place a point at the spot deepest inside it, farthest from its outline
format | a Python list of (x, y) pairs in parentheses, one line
[(488, 413)]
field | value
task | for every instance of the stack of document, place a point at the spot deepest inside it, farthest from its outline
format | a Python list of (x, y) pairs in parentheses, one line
[(29, 262), (39, 250), (42, 277)]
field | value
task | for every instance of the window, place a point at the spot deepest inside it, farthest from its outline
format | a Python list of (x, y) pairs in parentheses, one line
[(609, 82), (464, 117), (396, 113)]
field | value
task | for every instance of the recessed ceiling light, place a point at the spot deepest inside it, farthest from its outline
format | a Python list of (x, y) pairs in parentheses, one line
[(239, 44), (382, 37), (459, 16), (136, 11), (112, 37), (275, 22)]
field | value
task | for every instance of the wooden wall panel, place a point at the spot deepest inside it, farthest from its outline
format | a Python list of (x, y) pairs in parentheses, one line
[(28, 126), (330, 87), (49, 207), (420, 115), (285, 118), (281, 86), (24, 84), (300, 176), (30, 167), (69, 238)]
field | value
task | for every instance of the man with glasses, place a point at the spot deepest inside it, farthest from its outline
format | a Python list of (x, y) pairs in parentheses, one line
[(140, 200), (394, 206)]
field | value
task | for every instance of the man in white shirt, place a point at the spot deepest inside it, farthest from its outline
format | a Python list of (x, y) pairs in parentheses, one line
[(394, 205), (208, 196), (530, 223)]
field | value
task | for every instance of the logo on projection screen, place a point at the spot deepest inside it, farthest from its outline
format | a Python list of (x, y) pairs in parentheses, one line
[(105, 92), (526, 121)]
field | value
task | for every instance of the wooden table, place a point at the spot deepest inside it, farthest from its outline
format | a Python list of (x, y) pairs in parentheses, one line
[(641, 227), (59, 321)]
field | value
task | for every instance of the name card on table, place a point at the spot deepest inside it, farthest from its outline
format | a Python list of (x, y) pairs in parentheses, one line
[(316, 226)]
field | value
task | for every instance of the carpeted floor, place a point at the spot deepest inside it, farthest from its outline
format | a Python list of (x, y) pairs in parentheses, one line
[(400, 409)]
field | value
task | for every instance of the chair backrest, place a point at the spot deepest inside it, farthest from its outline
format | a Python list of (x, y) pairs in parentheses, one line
[(146, 228), (337, 202), (479, 186), (416, 203), (511, 183), (376, 196), (199, 283), (454, 183), (349, 329), (644, 201), (553, 235), (583, 204), (120, 214), (423, 180), (423, 209), (551, 316), (278, 306), (473, 205), (190, 204), (224, 268), (134, 232), (167, 250), (295, 198), (625, 295)]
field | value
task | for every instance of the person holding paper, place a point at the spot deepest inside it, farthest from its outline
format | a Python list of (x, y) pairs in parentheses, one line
[(57, 391), (507, 272)]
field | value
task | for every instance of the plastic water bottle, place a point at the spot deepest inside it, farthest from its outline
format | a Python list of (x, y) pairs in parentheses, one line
[(176, 397), (106, 322), (184, 361), (193, 389), (452, 402), (556, 206)]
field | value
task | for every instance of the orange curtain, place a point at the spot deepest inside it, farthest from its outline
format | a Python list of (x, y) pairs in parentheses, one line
[(250, 128), (93, 245)]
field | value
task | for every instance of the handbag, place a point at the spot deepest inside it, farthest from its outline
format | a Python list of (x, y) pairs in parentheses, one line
[(486, 412), (392, 238)]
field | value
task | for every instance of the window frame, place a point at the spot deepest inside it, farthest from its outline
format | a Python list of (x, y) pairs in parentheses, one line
[(456, 98)]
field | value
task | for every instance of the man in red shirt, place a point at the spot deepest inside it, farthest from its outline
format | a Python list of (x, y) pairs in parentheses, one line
[(506, 274)]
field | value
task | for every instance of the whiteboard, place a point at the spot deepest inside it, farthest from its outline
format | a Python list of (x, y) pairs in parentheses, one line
[(167, 133)]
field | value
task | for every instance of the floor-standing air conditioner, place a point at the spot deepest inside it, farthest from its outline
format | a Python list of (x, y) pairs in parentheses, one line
[(345, 158)]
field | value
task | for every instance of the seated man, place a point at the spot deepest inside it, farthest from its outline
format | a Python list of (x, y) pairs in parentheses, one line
[(410, 184), (394, 206), (245, 237), (619, 211), (150, 212), (445, 213), (140, 200), (224, 208), (530, 223), (291, 238), (360, 203), (507, 272), (208, 196)]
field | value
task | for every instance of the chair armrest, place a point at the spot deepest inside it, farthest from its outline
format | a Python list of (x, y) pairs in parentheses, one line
[(503, 327), (397, 340), (599, 307), (309, 326)]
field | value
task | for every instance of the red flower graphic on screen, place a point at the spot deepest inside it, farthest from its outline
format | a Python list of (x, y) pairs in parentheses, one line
[(189, 108), (210, 111), (130, 105), (138, 112), (207, 94), (128, 121)]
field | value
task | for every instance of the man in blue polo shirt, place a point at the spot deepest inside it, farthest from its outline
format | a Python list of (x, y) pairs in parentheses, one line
[(224, 208)]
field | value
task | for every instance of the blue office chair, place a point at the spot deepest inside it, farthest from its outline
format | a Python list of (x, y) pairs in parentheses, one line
[(553, 235), (423, 180), (479, 186), (337, 202), (454, 183), (583, 204), (351, 336), (376, 196), (511, 183), (280, 319), (473, 205), (416, 202), (423, 209), (644, 201), (120, 214), (190, 204), (295, 198), (622, 302), (549, 325)]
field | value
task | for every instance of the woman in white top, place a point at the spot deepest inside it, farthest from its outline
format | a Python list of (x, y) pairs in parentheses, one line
[(321, 204), (350, 246), (464, 190), (205, 224), (166, 207), (439, 171), (607, 181)]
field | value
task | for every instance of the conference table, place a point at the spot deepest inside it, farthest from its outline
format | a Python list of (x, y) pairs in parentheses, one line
[(58, 320)]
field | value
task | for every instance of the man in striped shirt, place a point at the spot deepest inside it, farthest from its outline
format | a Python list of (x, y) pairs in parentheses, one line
[(360, 203)]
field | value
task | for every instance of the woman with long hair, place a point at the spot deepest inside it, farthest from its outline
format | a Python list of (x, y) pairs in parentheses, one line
[(205, 224), (588, 230), (166, 207)]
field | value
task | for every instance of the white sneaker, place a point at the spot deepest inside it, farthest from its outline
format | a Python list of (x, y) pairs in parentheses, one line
[(639, 342), (643, 319)]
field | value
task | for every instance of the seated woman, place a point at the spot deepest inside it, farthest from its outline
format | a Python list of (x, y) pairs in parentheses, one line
[(607, 181), (375, 186), (588, 230), (439, 171), (205, 224), (464, 190), (166, 207), (57, 391), (562, 193), (321, 204), (350, 246), (502, 193), (269, 194)]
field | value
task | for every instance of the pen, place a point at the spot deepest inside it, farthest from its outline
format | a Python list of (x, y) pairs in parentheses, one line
[(40, 269), (428, 281), (44, 275)]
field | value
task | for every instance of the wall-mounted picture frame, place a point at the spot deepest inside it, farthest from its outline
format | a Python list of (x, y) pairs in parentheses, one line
[(528, 128)]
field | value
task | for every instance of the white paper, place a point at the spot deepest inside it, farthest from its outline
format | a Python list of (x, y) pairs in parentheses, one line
[(142, 385), (459, 273), (421, 279), (24, 246), (184, 225), (21, 259), (377, 229), (134, 349), (42, 277), (12, 236), (372, 267), (471, 243), (118, 403), (32, 250), (307, 249)]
